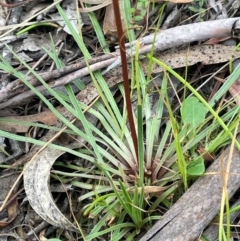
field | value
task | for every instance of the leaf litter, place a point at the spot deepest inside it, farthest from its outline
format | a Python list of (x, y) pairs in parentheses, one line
[(34, 54)]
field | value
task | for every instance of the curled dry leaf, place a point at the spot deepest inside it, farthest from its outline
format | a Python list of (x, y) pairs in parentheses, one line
[(12, 212), (36, 184), (29, 185)]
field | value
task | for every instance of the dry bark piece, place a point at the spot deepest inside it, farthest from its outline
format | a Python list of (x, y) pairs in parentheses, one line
[(211, 233), (188, 217), (206, 54), (185, 56)]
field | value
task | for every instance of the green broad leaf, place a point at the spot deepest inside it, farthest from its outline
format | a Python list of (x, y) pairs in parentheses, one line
[(137, 18), (194, 9), (145, 2), (142, 5), (131, 10), (196, 168), (143, 12), (193, 112), (139, 5)]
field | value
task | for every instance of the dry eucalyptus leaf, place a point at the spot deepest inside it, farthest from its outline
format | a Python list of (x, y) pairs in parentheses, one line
[(213, 41), (12, 210), (109, 23), (235, 92), (36, 184), (30, 177), (109, 20), (46, 117)]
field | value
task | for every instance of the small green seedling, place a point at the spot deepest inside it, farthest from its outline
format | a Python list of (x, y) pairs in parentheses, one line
[(140, 12), (196, 167), (198, 6), (193, 114)]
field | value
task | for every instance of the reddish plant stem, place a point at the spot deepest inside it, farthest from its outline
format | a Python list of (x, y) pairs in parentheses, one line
[(125, 74)]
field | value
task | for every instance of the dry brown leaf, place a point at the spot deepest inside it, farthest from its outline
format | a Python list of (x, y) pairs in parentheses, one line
[(12, 212), (109, 20), (109, 24), (207, 156), (149, 189), (215, 40), (235, 92), (46, 117)]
